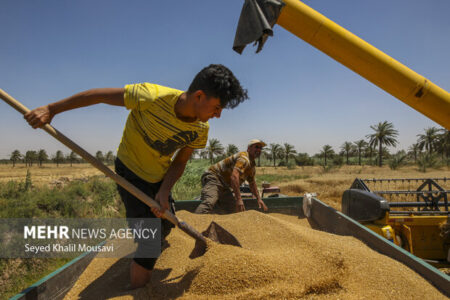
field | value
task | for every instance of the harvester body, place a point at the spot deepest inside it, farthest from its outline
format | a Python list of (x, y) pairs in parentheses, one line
[(415, 219)]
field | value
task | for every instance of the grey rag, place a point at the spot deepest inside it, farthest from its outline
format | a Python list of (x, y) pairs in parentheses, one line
[(256, 22)]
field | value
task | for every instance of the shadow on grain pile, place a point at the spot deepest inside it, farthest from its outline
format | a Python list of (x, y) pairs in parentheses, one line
[(282, 257)]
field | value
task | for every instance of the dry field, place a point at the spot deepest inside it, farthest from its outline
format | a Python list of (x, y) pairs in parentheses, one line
[(48, 173)]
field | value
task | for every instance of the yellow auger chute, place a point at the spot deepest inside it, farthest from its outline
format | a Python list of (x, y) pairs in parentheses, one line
[(351, 51)]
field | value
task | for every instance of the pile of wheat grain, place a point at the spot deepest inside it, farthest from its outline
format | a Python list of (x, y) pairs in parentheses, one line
[(281, 258)]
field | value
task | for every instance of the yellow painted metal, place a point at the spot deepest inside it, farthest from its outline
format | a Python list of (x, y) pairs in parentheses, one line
[(420, 235), (388, 232), (385, 231), (366, 60)]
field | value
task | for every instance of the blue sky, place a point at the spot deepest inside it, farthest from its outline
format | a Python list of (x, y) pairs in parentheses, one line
[(53, 49)]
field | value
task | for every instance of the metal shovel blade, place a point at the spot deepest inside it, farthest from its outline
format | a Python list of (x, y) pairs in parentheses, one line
[(216, 233)]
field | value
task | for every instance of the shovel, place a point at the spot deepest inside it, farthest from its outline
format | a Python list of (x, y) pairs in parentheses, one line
[(214, 232)]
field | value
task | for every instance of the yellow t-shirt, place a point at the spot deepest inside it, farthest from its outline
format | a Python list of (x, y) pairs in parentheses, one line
[(153, 132)]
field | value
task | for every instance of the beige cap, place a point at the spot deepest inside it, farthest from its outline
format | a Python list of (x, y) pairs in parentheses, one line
[(252, 142)]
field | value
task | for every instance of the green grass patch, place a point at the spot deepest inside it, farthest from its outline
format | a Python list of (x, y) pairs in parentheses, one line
[(96, 198), (189, 186), (18, 274)]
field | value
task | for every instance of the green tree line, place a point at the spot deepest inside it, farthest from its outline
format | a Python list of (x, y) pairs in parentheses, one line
[(40, 157), (431, 148)]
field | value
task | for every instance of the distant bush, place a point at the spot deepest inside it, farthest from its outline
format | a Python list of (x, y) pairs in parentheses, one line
[(397, 160), (426, 161), (303, 159), (338, 161), (327, 168), (291, 165), (11, 189)]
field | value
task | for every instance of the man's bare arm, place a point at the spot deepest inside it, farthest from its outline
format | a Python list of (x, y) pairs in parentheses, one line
[(40, 116), (174, 172), (237, 192), (255, 192)]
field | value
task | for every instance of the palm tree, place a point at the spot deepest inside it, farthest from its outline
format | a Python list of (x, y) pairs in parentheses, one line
[(327, 151), (232, 149), (42, 156), (369, 152), (274, 152), (204, 154), (15, 156), (347, 148), (30, 157), (259, 157), (109, 157), (360, 145), (384, 153), (414, 149), (429, 139), (384, 134), (288, 150), (267, 155), (58, 158), (214, 148), (72, 157), (444, 142), (99, 156)]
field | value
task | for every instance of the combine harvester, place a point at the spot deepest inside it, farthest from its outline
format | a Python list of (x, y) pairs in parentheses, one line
[(255, 24)]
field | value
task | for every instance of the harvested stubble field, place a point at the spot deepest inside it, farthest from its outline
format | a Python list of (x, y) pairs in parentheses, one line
[(281, 258), (48, 173)]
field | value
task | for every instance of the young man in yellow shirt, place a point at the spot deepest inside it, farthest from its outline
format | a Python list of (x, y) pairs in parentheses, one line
[(161, 121)]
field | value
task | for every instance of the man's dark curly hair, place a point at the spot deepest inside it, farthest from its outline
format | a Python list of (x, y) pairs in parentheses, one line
[(219, 82)]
